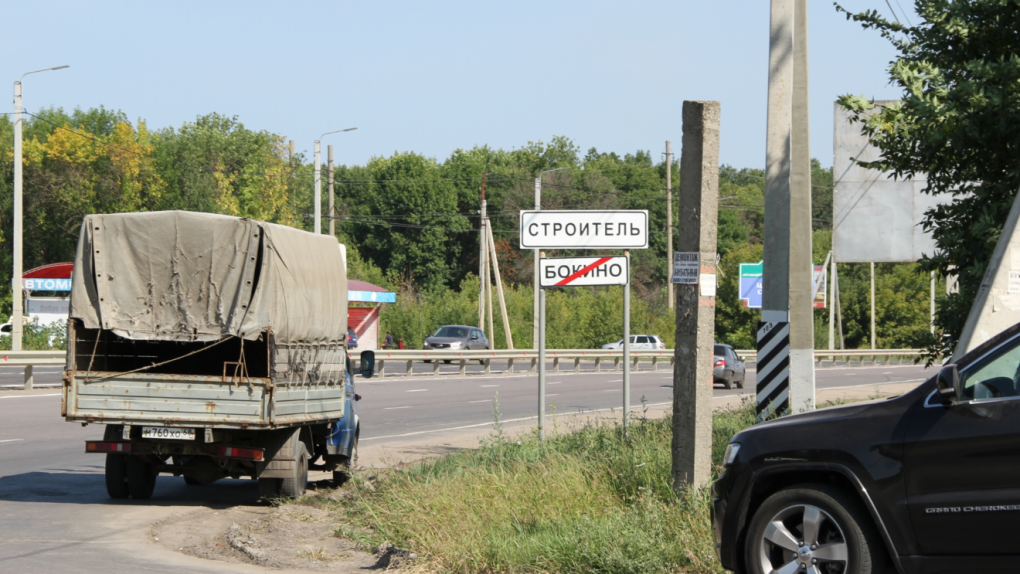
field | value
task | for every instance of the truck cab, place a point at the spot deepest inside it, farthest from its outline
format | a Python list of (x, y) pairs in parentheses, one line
[(925, 482)]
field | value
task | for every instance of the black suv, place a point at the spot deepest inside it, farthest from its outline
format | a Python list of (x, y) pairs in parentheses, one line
[(925, 482)]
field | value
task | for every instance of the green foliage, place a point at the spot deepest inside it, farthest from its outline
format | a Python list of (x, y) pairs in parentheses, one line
[(956, 125), (604, 503)]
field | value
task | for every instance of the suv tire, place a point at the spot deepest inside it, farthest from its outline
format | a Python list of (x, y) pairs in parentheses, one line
[(843, 532)]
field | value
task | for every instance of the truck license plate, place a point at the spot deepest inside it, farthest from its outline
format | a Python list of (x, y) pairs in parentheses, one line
[(168, 433)]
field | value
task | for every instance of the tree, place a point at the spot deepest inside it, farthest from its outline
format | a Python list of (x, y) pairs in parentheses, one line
[(958, 123)]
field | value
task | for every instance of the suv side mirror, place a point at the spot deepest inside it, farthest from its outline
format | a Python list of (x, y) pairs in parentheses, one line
[(367, 364), (474, 336), (948, 383)]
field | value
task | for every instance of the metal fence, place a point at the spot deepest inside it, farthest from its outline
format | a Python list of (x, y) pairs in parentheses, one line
[(563, 360)]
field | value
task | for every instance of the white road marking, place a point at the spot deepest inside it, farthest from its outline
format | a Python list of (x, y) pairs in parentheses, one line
[(487, 386), (554, 395), (30, 396), (417, 390), (12, 440), (556, 383), (611, 391), (485, 401), (394, 408)]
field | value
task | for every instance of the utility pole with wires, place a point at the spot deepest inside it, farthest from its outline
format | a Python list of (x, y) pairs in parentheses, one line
[(669, 222), (483, 269), (331, 205)]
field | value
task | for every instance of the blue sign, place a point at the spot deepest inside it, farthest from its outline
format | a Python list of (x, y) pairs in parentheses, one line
[(750, 292), (371, 296), (46, 284)]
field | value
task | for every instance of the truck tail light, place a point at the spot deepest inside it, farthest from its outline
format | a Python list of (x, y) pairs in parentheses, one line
[(245, 453), (720, 362), (107, 446)]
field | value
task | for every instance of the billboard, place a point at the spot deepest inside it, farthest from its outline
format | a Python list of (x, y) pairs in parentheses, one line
[(874, 217), (751, 282)]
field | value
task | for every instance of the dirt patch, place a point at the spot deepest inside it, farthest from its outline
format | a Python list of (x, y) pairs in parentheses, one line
[(286, 537)]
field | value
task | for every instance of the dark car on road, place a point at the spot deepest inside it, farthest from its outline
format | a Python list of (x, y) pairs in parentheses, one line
[(727, 368), (925, 482)]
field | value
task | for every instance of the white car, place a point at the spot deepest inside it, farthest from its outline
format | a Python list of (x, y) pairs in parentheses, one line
[(639, 342)]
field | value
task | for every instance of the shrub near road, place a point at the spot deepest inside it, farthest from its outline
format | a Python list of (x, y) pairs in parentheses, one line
[(586, 500)]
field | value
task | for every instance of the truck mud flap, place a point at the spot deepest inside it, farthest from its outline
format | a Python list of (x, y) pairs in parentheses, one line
[(279, 453)]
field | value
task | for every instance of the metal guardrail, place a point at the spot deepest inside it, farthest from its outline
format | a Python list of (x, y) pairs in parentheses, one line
[(28, 359)]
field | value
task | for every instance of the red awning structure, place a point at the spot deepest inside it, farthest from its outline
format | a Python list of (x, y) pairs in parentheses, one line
[(51, 271)]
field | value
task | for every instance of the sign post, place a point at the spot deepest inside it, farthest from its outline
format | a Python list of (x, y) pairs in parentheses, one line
[(584, 230)]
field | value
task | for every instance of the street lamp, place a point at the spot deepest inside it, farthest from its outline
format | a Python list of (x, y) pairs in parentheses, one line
[(539, 339), (17, 328), (318, 178)]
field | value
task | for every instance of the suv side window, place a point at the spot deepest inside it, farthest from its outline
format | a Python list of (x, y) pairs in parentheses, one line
[(642, 339), (994, 376), (477, 333)]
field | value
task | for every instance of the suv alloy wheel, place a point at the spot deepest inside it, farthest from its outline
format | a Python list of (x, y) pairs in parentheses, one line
[(815, 529)]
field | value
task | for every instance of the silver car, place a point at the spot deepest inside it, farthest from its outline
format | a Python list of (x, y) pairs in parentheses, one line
[(727, 368), (639, 342), (455, 338)]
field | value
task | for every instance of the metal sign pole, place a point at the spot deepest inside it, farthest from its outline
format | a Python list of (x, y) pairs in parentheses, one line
[(626, 349), (541, 362)]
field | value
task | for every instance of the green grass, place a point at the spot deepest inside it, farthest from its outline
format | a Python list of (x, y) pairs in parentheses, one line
[(588, 499)]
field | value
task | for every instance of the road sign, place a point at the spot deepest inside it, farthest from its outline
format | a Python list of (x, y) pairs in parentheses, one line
[(584, 229), (686, 268), (583, 271), (751, 281)]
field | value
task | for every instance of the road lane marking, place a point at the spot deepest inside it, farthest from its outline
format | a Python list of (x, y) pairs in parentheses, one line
[(487, 386), (395, 408), (12, 440), (417, 390), (30, 396), (554, 395), (490, 423), (556, 383), (485, 401)]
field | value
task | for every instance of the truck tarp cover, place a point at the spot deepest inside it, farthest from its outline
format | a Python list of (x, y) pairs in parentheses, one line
[(183, 276)]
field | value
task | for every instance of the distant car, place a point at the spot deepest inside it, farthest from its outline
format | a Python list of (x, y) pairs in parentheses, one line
[(352, 339), (639, 342), (456, 337), (727, 368)]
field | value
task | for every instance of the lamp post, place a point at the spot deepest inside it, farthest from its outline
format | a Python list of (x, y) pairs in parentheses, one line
[(17, 328), (318, 178), (538, 205)]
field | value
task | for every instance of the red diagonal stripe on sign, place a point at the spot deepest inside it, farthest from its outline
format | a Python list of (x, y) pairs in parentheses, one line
[(583, 271)]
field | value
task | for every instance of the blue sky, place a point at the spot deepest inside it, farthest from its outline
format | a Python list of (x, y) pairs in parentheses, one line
[(432, 77)]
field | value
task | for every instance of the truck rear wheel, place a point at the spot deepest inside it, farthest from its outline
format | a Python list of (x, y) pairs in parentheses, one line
[(141, 478), (116, 475), (294, 486)]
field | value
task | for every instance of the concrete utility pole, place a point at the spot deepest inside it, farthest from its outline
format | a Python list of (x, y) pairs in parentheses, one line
[(331, 203), (802, 319), (17, 323), (996, 304), (317, 226), (691, 448), (773, 393), (669, 223), (482, 267)]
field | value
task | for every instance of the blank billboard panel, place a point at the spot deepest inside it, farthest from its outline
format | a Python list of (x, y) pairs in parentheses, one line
[(875, 218)]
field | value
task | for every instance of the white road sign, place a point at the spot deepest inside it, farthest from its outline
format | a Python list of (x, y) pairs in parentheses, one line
[(583, 271), (584, 229), (686, 268)]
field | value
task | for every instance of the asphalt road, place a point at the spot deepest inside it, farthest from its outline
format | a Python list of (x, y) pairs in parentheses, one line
[(55, 514)]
